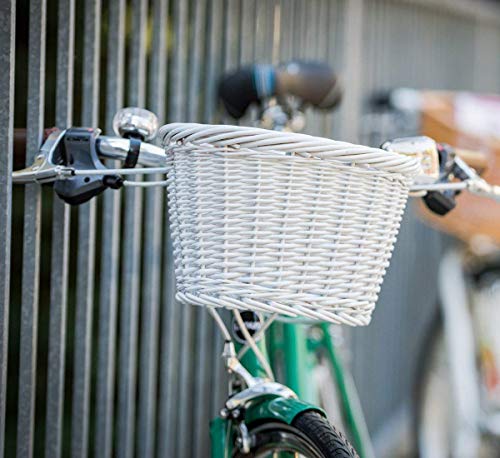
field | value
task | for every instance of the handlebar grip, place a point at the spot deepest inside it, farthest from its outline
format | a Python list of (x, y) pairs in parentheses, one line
[(238, 89), (315, 83)]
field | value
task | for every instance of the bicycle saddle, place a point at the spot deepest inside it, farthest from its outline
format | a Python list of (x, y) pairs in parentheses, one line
[(314, 83)]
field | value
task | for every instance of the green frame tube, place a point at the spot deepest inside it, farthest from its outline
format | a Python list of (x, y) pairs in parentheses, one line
[(299, 362), (351, 408)]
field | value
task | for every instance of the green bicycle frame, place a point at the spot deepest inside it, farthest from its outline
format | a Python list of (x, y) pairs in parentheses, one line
[(351, 406), (298, 356)]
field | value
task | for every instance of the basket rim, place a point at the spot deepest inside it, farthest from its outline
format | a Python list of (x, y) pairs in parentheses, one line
[(242, 140)]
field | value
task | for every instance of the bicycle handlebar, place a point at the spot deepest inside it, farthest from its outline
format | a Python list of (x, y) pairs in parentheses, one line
[(117, 148), (476, 186), (67, 157), (482, 188)]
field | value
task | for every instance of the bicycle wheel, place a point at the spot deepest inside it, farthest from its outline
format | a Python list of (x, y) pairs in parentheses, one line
[(434, 409), (309, 436), (433, 421)]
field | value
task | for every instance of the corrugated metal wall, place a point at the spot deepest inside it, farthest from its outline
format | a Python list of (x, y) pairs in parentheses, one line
[(101, 360)]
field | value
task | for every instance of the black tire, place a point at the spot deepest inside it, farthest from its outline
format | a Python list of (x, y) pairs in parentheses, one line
[(310, 434)]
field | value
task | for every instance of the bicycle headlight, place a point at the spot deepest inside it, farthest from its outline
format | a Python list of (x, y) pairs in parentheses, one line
[(422, 148)]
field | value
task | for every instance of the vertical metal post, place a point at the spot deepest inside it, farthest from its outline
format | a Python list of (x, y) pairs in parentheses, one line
[(158, 70), (205, 351), (32, 228), (247, 47), (169, 348), (198, 40), (485, 70), (179, 316), (333, 51), (60, 242), (7, 63), (184, 385), (327, 32), (259, 32), (204, 348), (131, 254), (110, 275), (105, 387), (353, 65), (300, 48), (110, 260), (151, 289), (276, 33), (109, 292), (189, 315), (214, 64), (231, 44), (213, 58), (286, 16), (86, 245), (179, 61), (295, 35)]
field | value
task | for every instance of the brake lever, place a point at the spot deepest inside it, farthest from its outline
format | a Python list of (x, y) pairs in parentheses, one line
[(463, 171), (443, 201), (70, 158), (47, 166)]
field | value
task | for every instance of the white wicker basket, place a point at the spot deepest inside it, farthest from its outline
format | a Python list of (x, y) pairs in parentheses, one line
[(279, 222)]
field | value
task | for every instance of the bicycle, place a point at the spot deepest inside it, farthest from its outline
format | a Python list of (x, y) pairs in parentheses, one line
[(261, 416), (460, 350)]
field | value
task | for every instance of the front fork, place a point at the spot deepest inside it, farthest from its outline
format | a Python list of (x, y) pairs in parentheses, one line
[(222, 445)]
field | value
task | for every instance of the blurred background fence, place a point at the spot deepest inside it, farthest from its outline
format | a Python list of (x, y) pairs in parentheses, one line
[(96, 358)]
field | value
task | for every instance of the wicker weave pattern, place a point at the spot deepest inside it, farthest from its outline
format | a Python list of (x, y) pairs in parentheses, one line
[(303, 234)]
